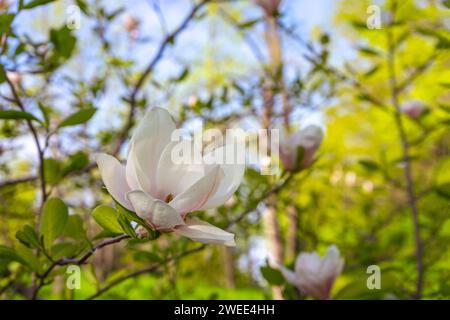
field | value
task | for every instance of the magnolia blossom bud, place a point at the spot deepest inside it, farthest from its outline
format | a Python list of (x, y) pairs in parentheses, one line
[(308, 139), (131, 24), (315, 276), (413, 108), (270, 7), (15, 77), (4, 5)]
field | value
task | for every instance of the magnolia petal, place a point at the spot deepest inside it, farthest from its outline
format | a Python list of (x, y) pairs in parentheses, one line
[(332, 263), (198, 194), (289, 275), (151, 136), (114, 177), (160, 215), (308, 262), (233, 175), (202, 231), (176, 175), (131, 170)]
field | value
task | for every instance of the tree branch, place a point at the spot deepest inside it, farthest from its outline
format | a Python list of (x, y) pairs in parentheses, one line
[(65, 261), (149, 269), (412, 201)]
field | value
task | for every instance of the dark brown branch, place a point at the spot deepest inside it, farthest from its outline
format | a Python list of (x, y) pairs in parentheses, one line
[(40, 151)]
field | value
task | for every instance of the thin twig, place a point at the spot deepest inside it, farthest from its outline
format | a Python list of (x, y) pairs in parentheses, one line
[(66, 261), (412, 201), (146, 270)]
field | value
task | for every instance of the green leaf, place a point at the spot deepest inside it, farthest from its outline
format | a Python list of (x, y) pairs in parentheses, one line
[(63, 46), (5, 22), (107, 218), (52, 171), (104, 234), (132, 216), (75, 228), (54, 219), (368, 51), (183, 75), (64, 249), (273, 276), (17, 115), (248, 24), (446, 3), (443, 190), (369, 165), (28, 237), (35, 3), (10, 255), (78, 117), (126, 226), (83, 6), (75, 162)]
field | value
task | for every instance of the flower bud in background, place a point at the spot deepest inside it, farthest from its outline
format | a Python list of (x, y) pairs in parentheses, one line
[(270, 7), (15, 77), (4, 5), (131, 24), (308, 140), (413, 108), (315, 276)]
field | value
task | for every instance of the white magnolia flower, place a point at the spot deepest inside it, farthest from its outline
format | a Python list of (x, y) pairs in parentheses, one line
[(269, 6), (164, 191), (131, 24), (315, 276), (309, 139), (413, 108)]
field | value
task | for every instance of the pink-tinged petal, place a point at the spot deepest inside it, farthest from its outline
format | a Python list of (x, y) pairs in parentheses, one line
[(198, 194), (114, 178), (174, 175), (202, 231), (308, 262), (131, 170), (151, 137), (289, 275), (233, 174), (158, 213)]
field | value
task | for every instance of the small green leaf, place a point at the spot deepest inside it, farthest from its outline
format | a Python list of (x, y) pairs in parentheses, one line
[(446, 3), (17, 115), (54, 219), (78, 117), (132, 216), (52, 171), (273, 276), (443, 190), (368, 51), (75, 162), (10, 255), (369, 165), (75, 228), (107, 218), (64, 249), (248, 24), (126, 226), (35, 3), (5, 22), (28, 237)]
